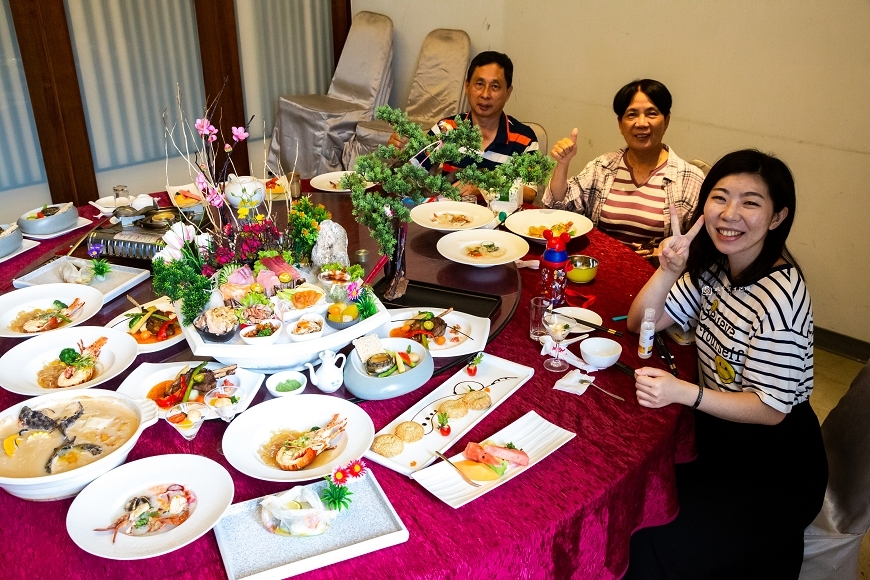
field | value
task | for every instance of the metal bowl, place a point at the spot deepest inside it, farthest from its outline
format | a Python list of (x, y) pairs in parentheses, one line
[(584, 268)]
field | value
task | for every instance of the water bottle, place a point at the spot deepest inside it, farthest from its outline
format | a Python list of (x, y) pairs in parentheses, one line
[(647, 333)]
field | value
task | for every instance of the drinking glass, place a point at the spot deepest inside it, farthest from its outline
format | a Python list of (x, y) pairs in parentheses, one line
[(537, 309), (225, 402), (187, 418), (558, 327)]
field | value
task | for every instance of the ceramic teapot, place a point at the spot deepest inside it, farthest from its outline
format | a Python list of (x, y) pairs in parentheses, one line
[(330, 376), (244, 191)]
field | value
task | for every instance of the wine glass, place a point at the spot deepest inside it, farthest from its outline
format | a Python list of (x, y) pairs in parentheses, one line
[(558, 327), (224, 401), (187, 418), (489, 196)]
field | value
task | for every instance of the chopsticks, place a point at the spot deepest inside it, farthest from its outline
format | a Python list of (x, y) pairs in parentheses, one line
[(591, 324), (465, 477)]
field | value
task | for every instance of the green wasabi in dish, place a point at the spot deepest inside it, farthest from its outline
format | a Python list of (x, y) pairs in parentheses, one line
[(287, 386)]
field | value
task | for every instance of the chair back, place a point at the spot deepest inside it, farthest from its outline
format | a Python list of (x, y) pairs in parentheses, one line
[(541, 135), (846, 433), (364, 74), (438, 85), (702, 165)]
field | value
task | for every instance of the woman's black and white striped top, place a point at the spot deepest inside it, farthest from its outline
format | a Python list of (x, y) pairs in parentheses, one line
[(758, 338)]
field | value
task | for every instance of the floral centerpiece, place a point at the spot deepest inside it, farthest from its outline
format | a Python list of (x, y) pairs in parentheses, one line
[(403, 177)]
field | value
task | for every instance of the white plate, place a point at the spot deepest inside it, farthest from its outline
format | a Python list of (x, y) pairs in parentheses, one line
[(250, 430), (102, 502), (80, 222), (325, 181), (520, 222), (531, 433), (121, 322), (146, 375), (118, 280), (580, 314), (474, 326), (12, 303), (454, 247), (251, 552), (25, 245), (173, 189), (423, 214), (19, 366), (503, 377)]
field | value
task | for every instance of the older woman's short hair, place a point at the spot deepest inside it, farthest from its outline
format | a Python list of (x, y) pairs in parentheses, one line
[(654, 90)]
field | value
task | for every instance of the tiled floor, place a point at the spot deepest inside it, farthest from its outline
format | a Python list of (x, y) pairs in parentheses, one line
[(832, 376)]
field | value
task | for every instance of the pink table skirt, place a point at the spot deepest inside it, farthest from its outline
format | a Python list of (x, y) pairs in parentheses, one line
[(571, 516)]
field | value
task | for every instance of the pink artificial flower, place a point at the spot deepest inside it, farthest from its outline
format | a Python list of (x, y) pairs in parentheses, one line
[(204, 127), (214, 198), (339, 476), (207, 271), (227, 147), (354, 289), (212, 138), (356, 468), (239, 134), (201, 181)]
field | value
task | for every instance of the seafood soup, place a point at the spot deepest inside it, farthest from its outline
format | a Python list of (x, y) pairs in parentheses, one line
[(50, 316), (63, 436), (485, 250), (291, 450)]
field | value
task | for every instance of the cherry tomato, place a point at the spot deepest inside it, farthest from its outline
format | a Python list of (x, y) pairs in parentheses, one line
[(177, 418), (440, 340), (471, 370), (444, 430)]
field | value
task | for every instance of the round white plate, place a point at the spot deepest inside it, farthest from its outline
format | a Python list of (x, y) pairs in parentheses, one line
[(121, 322), (19, 366), (329, 182), (475, 327), (580, 314), (250, 430), (426, 215), (520, 222), (42, 296), (455, 246), (102, 502), (142, 379)]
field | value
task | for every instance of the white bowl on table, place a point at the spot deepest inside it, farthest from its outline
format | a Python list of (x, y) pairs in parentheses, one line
[(11, 241), (248, 332), (365, 386), (273, 381), (49, 224), (305, 318), (600, 352)]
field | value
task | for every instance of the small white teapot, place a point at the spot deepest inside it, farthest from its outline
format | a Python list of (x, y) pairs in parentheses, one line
[(329, 377), (244, 191)]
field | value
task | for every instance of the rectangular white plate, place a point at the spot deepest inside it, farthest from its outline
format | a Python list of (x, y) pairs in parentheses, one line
[(25, 245), (136, 385), (531, 433), (250, 551), (474, 326), (118, 280), (81, 222), (501, 376)]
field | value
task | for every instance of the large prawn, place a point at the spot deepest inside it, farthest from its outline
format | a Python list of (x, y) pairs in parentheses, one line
[(83, 369), (297, 453), (53, 318)]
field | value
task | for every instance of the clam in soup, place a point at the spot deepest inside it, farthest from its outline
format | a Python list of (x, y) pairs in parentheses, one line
[(62, 436)]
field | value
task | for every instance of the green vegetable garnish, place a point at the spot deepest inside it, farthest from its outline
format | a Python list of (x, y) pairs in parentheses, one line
[(288, 385), (500, 469), (144, 519), (59, 304), (511, 446), (234, 399), (477, 359), (69, 356)]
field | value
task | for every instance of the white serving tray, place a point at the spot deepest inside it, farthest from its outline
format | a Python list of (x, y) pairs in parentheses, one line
[(502, 377), (474, 326), (25, 245), (249, 551), (118, 280), (283, 355), (531, 433)]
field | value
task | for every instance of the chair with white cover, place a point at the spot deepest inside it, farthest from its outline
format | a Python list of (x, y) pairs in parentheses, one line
[(702, 165), (436, 91), (541, 136), (320, 124), (832, 542)]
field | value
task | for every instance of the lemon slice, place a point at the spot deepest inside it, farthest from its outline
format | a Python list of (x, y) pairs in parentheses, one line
[(11, 443)]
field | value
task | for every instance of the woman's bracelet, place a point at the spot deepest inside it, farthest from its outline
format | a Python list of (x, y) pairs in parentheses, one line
[(700, 396)]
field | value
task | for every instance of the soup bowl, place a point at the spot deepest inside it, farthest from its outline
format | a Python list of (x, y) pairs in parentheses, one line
[(372, 388), (69, 483), (10, 242), (49, 224)]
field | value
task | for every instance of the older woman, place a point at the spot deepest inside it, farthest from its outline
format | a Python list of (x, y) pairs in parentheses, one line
[(628, 193)]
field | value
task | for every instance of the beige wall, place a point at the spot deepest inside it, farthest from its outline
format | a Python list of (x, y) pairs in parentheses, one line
[(791, 78)]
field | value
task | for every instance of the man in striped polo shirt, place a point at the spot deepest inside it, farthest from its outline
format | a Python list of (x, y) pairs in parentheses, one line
[(488, 86)]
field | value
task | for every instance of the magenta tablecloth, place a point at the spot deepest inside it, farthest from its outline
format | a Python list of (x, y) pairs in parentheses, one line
[(570, 516)]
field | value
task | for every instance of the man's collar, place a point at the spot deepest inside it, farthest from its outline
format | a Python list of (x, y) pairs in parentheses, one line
[(503, 127)]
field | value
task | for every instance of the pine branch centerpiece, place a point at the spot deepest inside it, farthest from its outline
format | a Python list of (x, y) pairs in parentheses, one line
[(402, 177)]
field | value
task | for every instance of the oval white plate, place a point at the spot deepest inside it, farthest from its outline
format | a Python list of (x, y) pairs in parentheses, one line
[(41, 296), (139, 382), (475, 327), (102, 502), (325, 181), (423, 214), (121, 322), (580, 314), (251, 429), (19, 366), (453, 247), (520, 222)]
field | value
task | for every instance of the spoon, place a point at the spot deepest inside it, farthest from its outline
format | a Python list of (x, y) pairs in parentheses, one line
[(465, 477), (588, 382)]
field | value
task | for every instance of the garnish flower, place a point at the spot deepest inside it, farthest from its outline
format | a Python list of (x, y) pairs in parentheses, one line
[(356, 468), (339, 476), (354, 289), (94, 250), (239, 134)]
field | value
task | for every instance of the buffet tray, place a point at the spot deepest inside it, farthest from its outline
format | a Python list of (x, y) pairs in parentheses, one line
[(249, 551), (118, 280), (434, 296)]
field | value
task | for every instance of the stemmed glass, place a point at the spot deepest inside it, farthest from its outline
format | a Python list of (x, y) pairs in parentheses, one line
[(558, 327), (187, 418), (489, 196), (224, 401)]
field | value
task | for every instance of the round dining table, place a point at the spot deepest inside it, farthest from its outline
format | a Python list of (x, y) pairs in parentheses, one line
[(569, 516)]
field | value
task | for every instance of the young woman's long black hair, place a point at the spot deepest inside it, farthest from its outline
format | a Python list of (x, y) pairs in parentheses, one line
[(780, 184)]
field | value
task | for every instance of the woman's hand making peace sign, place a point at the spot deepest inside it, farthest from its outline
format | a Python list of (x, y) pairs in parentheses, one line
[(674, 251)]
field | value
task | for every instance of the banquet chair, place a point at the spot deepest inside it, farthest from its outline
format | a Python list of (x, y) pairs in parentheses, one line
[(319, 125), (832, 542), (541, 136), (702, 165), (436, 91)]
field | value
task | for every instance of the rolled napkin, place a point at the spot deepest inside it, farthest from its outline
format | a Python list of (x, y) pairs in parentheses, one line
[(574, 382), (549, 349), (531, 264)]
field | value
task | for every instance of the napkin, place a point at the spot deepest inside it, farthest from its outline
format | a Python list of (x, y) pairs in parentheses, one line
[(531, 264), (550, 347), (571, 382)]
